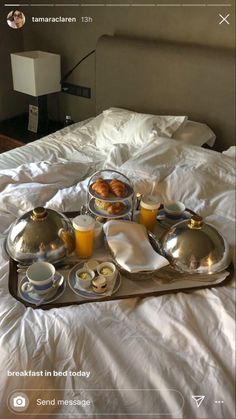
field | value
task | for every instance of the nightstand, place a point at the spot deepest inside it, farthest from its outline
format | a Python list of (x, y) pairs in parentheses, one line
[(16, 129), (7, 143)]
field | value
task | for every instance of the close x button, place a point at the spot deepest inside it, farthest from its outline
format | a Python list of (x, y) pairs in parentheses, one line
[(224, 19)]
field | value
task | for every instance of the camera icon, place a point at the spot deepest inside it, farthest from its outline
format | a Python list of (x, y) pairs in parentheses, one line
[(19, 401)]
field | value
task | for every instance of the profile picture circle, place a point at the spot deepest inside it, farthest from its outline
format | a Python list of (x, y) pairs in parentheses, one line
[(16, 19)]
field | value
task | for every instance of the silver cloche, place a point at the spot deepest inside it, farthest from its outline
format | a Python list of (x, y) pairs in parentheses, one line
[(40, 234), (193, 246)]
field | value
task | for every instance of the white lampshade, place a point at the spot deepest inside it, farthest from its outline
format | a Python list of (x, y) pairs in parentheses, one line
[(36, 73)]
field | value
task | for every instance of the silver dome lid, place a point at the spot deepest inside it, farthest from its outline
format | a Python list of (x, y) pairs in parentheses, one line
[(40, 234), (193, 246)]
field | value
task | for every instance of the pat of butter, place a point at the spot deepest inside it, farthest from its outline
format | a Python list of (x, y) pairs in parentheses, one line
[(84, 275), (106, 271)]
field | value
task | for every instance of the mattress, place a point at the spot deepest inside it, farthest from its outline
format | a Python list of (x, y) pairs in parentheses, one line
[(139, 357)]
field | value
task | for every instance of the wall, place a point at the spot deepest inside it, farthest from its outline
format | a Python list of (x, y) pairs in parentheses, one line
[(198, 25), (11, 40)]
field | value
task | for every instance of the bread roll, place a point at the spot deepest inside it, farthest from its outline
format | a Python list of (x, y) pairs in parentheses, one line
[(117, 188), (101, 187)]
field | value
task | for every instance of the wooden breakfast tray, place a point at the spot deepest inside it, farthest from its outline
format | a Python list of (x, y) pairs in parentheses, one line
[(165, 281)]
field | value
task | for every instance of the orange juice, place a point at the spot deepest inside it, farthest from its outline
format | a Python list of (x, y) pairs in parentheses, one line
[(84, 243), (148, 211), (84, 235)]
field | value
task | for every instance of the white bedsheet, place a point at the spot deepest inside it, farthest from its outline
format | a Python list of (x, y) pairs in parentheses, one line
[(184, 342)]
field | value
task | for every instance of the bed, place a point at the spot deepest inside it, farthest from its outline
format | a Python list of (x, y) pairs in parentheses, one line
[(134, 357)]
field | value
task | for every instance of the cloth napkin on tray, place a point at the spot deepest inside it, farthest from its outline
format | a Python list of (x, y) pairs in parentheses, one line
[(130, 246)]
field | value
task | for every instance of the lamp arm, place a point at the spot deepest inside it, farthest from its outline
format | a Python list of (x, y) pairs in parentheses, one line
[(76, 65)]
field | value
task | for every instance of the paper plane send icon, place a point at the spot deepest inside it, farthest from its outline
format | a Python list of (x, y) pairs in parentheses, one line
[(198, 400)]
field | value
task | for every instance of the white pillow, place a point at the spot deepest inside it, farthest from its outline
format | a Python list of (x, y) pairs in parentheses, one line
[(230, 152), (92, 125), (124, 126), (195, 133)]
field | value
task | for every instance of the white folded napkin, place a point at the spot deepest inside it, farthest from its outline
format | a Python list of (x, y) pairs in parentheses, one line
[(130, 246)]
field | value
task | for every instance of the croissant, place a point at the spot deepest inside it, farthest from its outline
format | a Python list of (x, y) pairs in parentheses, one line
[(116, 208), (101, 187), (117, 188)]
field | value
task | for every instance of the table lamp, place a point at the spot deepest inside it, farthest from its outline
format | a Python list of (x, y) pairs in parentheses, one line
[(36, 73)]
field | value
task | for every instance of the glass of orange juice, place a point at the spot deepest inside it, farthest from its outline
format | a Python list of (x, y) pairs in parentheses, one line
[(84, 235), (148, 211)]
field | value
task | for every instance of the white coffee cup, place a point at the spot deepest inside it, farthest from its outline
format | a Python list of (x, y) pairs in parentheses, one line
[(174, 209), (40, 277)]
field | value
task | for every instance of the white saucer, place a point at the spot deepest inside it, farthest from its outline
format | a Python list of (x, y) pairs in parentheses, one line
[(33, 298), (163, 218), (89, 293)]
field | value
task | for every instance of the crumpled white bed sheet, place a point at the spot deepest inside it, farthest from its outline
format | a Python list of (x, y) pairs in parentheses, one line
[(181, 341)]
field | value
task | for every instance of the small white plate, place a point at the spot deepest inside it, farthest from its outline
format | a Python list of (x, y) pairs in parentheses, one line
[(89, 293), (33, 298)]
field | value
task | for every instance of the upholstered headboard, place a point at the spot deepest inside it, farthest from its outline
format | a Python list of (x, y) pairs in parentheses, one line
[(168, 78)]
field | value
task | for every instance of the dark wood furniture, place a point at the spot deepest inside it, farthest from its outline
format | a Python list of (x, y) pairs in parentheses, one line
[(14, 132), (7, 143)]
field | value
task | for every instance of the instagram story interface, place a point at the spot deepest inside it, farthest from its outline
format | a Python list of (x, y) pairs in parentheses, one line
[(117, 200)]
